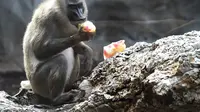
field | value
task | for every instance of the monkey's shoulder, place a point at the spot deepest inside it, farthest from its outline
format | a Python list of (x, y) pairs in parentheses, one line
[(45, 10)]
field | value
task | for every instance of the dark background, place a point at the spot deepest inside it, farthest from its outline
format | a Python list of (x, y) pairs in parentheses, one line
[(131, 20)]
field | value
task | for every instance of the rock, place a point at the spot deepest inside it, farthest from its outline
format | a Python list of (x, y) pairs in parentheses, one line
[(153, 77), (146, 77), (8, 105)]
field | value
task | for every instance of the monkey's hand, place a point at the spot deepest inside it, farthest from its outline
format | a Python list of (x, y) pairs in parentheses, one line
[(87, 30), (85, 36)]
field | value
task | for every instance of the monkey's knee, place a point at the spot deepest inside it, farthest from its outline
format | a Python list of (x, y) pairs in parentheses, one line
[(49, 79)]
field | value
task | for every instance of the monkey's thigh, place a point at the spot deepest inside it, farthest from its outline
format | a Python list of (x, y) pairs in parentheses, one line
[(74, 75), (50, 76)]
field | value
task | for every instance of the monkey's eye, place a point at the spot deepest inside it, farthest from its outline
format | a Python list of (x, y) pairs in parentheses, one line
[(75, 6), (76, 12)]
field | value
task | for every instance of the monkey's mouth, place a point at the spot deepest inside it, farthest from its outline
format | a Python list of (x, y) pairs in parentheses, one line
[(81, 20), (76, 23)]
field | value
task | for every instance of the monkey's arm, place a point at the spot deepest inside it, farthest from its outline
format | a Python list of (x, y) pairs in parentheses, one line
[(48, 47), (87, 52), (64, 24)]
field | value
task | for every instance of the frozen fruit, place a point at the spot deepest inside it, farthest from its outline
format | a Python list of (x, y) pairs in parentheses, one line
[(87, 26), (113, 48)]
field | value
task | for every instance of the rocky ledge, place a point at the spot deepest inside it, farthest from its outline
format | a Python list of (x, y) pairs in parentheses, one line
[(161, 76)]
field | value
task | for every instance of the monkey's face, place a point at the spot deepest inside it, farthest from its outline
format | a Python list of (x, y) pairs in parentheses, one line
[(77, 11)]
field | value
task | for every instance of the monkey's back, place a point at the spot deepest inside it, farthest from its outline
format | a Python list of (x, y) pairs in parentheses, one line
[(35, 31), (30, 61), (42, 26)]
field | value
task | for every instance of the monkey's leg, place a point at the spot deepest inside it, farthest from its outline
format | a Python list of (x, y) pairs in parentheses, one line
[(87, 53), (72, 81), (71, 96), (50, 79)]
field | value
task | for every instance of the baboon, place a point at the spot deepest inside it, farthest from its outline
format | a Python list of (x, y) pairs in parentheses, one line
[(51, 46)]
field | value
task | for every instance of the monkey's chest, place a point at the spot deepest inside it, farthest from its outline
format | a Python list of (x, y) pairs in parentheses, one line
[(69, 56)]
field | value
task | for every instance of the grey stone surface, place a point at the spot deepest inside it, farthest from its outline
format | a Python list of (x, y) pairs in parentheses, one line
[(147, 77)]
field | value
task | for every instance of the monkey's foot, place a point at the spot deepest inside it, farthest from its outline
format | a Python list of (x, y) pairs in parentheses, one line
[(79, 95), (43, 106)]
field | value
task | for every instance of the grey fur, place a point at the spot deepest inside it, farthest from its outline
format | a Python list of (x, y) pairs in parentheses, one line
[(51, 46)]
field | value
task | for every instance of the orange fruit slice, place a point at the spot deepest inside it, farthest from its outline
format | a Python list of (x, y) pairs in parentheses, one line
[(87, 26), (113, 48)]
